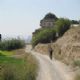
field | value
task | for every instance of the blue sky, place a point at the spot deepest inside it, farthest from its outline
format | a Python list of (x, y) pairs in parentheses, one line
[(22, 17)]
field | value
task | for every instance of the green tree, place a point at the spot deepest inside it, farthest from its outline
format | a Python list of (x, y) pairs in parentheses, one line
[(74, 22), (62, 25), (44, 36), (50, 16)]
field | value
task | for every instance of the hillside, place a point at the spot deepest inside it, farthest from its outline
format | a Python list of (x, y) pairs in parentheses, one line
[(66, 48)]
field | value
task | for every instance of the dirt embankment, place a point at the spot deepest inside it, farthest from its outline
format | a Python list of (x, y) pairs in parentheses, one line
[(66, 48), (42, 48)]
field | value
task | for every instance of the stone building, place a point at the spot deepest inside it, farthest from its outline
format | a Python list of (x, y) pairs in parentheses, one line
[(48, 21)]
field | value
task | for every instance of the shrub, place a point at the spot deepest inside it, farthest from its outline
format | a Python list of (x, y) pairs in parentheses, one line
[(76, 63), (74, 22), (44, 36), (12, 44), (62, 25)]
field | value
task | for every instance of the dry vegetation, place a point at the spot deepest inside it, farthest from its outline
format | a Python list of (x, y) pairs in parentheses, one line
[(18, 66)]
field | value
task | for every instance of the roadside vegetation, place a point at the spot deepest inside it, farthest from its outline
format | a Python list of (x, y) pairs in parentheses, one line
[(12, 44), (46, 35), (17, 68), (15, 63), (62, 25)]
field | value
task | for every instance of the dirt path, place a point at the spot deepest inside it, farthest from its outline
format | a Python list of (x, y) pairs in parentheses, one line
[(51, 70)]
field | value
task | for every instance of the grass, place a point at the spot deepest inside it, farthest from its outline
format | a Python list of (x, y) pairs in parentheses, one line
[(11, 68), (6, 53)]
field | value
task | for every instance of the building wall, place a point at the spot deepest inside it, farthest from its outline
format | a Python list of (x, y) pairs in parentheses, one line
[(47, 23)]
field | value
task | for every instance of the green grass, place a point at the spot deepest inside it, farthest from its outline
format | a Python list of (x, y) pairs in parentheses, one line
[(5, 59), (17, 68), (7, 53)]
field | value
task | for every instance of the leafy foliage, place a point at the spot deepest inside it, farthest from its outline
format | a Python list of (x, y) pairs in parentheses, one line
[(44, 36), (62, 25), (75, 22), (12, 44), (50, 16)]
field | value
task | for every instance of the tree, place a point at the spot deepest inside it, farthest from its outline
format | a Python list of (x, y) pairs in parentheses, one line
[(75, 22), (50, 16), (44, 36), (62, 25)]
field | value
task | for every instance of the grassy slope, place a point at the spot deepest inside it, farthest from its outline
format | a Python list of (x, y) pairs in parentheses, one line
[(7, 53), (17, 68)]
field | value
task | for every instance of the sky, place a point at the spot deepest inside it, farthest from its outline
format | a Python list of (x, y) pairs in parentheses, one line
[(22, 17)]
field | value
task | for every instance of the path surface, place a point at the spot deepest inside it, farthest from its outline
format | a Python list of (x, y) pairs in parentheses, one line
[(51, 69)]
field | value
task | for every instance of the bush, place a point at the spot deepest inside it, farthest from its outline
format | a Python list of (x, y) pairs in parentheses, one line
[(12, 44), (74, 22), (62, 25), (44, 36), (76, 63)]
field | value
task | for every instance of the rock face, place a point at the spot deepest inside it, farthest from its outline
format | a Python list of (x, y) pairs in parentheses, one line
[(66, 48)]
